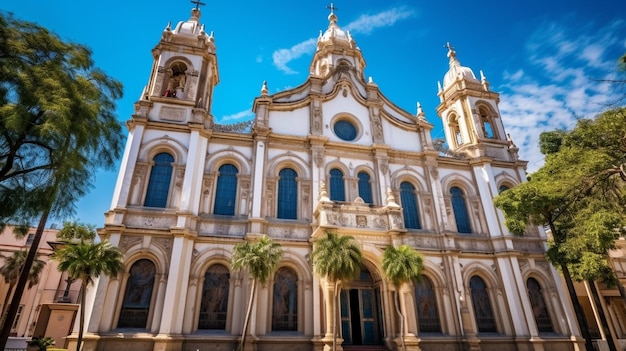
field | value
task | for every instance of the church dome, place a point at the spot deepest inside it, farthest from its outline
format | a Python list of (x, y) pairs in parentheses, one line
[(456, 71), (335, 35)]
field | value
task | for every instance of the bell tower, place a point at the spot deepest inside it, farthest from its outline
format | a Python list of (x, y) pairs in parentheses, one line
[(470, 114), (184, 74)]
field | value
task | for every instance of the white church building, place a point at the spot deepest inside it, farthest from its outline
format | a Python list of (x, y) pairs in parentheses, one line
[(333, 154)]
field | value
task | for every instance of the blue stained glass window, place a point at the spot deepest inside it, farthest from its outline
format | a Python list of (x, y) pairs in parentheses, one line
[(482, 306), (540, 310), (159, 183), (285, 306), (226, 192), (345, 130), (287, 194), (365, 188), (459, 207), (337, 189), (409, 206), (426, 303), (214, 305)]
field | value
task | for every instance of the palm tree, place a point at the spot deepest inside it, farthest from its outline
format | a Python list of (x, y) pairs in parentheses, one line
[(11, 273), (86, 261), (401, 265), (338, 258), (260, 259)]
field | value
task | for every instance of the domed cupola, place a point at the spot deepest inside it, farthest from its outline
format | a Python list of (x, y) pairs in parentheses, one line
[(336, 46), (456, 71)]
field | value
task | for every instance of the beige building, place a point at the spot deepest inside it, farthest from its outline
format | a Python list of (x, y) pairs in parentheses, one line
[(49, 307), (331, 154)]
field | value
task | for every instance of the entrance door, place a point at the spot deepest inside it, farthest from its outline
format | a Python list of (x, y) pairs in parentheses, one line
[(361, 317)]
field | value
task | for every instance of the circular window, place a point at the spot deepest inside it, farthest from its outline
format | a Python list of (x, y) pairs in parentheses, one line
[(345, 130)]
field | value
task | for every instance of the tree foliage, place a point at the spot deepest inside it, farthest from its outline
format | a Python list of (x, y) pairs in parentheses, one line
[(338, 258), (578, 194), (87, 261), (260, 259), (57, 120), (401, 265)]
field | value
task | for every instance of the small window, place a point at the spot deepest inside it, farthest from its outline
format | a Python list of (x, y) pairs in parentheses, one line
[(365, 188), (226, 192), (410, 209), (287, 194), (337, 188), (345, 130), (459, 207), (30, 239), (502, 189), (159, 183)]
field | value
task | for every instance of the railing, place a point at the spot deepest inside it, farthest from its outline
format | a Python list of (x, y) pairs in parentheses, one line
[(60, 296)]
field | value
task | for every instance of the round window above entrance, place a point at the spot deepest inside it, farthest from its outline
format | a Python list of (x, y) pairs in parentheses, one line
[(345, 130)]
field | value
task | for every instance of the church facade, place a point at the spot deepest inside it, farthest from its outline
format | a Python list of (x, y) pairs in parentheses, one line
[(333, 154)]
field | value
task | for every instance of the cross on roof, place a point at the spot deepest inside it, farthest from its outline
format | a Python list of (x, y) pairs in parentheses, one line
[(332, 8), (198, 3)]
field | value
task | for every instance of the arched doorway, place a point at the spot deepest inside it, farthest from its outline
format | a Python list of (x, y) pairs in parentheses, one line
[(361, 314)]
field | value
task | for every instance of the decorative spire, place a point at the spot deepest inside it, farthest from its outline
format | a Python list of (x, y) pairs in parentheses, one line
[(323, 196), (168, 27), (264, 90), (483, 81), (452, 55), (420, 112), (390, 201), (332, 18), (439, 88)]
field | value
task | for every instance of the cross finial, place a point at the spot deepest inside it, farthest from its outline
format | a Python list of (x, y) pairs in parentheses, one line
[(448, 46), (332, 8), (198, 3)]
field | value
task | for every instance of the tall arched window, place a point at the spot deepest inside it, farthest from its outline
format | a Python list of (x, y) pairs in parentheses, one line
[(285, 302), (426, 304), (214, 305), (459, 207), (486, 122), (482, 306), (365, 188), (538, 304), (138, 295), (160, 179), (226, 192), (287, 194), (410, 209), (337, 189), (455, 130)]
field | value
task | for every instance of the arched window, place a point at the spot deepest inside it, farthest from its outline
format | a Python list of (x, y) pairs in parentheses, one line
[(455, 130), (138, 295), (337, 189), (285, 302), (214, 305), (502, 188), (482, 306), (365, 188), (287, 194), (459, 207), (538, 304), (409, 206), (160, 179), (426, 303), (486, 123), (226, 192)]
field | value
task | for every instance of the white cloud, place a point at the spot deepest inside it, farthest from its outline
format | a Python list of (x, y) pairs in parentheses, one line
[(364, 25), (368, 23), (245, 114), (563, 82)]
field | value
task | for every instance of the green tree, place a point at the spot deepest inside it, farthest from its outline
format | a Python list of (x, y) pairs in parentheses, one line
[(579, 195), (338, 258), (41, 343), (11, 272), (260, 260), (85, 261), (57, 126), (401, 265)]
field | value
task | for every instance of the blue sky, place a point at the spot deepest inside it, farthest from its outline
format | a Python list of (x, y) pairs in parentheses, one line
[(546, 58)]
